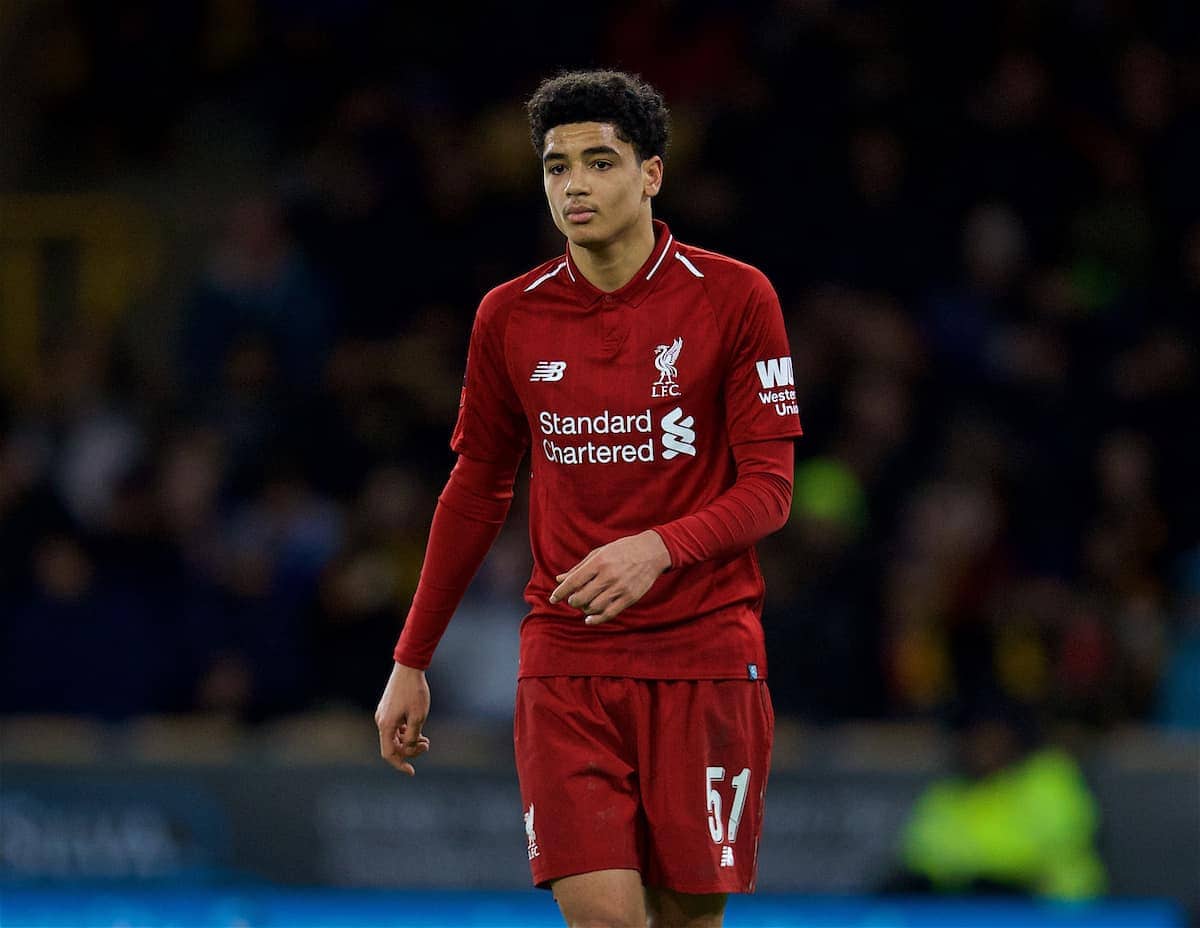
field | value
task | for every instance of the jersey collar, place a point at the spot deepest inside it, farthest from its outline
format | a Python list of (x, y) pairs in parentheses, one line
[(640, 284)]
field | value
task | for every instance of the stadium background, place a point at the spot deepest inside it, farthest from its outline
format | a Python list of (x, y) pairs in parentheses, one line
[(240, 248)]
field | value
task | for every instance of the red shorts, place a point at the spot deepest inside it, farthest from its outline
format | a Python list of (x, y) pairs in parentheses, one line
[(666, 777)]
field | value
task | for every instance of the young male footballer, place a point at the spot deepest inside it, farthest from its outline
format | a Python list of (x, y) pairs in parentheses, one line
[(651, 385)]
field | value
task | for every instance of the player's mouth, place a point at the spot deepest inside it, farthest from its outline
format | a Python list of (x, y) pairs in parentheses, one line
[(579, 214)]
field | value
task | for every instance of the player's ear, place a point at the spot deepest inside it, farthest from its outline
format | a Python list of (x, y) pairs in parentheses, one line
[(652, 175)]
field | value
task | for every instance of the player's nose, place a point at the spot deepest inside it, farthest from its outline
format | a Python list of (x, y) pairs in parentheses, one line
[(576, 185)]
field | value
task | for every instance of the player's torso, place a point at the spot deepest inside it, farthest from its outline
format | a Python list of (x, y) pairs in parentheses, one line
[(622, 401)]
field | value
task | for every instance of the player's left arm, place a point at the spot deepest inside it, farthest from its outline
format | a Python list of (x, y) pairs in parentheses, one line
[(615, 576)]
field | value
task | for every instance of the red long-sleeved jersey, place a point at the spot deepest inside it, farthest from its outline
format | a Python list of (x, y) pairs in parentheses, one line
[(664, 405)]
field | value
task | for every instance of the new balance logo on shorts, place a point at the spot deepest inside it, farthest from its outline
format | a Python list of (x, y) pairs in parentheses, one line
[(727, 856), (548, 370)]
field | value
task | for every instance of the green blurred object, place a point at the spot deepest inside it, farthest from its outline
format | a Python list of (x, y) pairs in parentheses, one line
[(1029, 826), (826, 489), (1096, 284)]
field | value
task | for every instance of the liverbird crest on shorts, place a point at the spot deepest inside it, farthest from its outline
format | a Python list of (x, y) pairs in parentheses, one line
[(530, 833)]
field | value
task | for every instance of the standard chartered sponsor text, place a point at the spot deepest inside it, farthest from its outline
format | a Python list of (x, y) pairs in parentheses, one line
[(592, 452), (606, 423)]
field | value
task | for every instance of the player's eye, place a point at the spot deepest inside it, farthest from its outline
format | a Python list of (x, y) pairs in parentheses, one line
[(601, 165), (556, 168)]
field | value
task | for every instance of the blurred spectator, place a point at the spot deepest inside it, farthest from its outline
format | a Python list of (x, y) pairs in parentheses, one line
[(1019, 819), (82, 642), (93, 437), (275, 550), (365, 587), (258, 290)]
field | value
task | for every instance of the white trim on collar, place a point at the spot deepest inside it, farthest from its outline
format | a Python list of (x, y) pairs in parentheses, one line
[(545, 277), (666, 248)]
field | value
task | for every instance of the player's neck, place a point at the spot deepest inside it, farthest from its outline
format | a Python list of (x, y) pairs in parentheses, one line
[(611, 266)]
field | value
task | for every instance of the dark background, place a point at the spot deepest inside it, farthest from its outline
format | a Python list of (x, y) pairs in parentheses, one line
[(242, 245)]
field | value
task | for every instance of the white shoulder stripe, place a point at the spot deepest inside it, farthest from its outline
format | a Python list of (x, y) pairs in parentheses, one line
[(688, 264), (666, 248), (545, 277)]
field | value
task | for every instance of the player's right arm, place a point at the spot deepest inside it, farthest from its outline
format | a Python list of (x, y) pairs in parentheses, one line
[(469, 514), (491, 437)]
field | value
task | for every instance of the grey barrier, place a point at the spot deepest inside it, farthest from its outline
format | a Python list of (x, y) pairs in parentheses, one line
[(827, 831)]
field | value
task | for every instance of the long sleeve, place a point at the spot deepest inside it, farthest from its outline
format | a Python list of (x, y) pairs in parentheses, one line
[(756, 505), (469, 514)]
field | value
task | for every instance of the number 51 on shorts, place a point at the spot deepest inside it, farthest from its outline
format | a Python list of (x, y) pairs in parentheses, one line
[(720, 831)]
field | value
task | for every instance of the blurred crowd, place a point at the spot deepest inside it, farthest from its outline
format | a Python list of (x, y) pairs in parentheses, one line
[(983, 222)]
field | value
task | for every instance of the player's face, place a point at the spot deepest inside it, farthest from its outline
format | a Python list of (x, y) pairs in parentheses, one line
[(597, 187)]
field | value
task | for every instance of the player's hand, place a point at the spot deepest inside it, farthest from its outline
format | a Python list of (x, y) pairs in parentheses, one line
[(402, 711), (613, 577)]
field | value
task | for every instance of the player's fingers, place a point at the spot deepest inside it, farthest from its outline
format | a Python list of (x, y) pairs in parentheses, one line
[(410, 752), (581, 573), (413, 750), (587, 595), (563, 589), (568, 583), (410, 733), (606, 601), (387, 746), (607, 608), (390, 751), (572, 580)]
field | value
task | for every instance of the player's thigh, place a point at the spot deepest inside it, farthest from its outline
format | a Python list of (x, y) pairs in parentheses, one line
[(669, 909), (705, 760), (601, 899), (578, 777)]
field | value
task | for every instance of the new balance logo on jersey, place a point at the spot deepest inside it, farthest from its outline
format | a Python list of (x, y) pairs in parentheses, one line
[(727, 856), (777, 372), (678, 435), (548, 370), (530, 834)]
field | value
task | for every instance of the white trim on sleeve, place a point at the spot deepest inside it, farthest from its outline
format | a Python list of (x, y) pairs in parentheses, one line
[(688, 264)]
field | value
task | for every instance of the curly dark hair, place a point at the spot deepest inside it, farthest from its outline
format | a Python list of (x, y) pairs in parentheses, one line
[(634, 109)]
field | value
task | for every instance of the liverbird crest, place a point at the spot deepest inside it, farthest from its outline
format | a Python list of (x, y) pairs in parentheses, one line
[(665, 357)]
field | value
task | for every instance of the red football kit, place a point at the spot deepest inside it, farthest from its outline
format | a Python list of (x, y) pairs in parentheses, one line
[(664, 405)]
